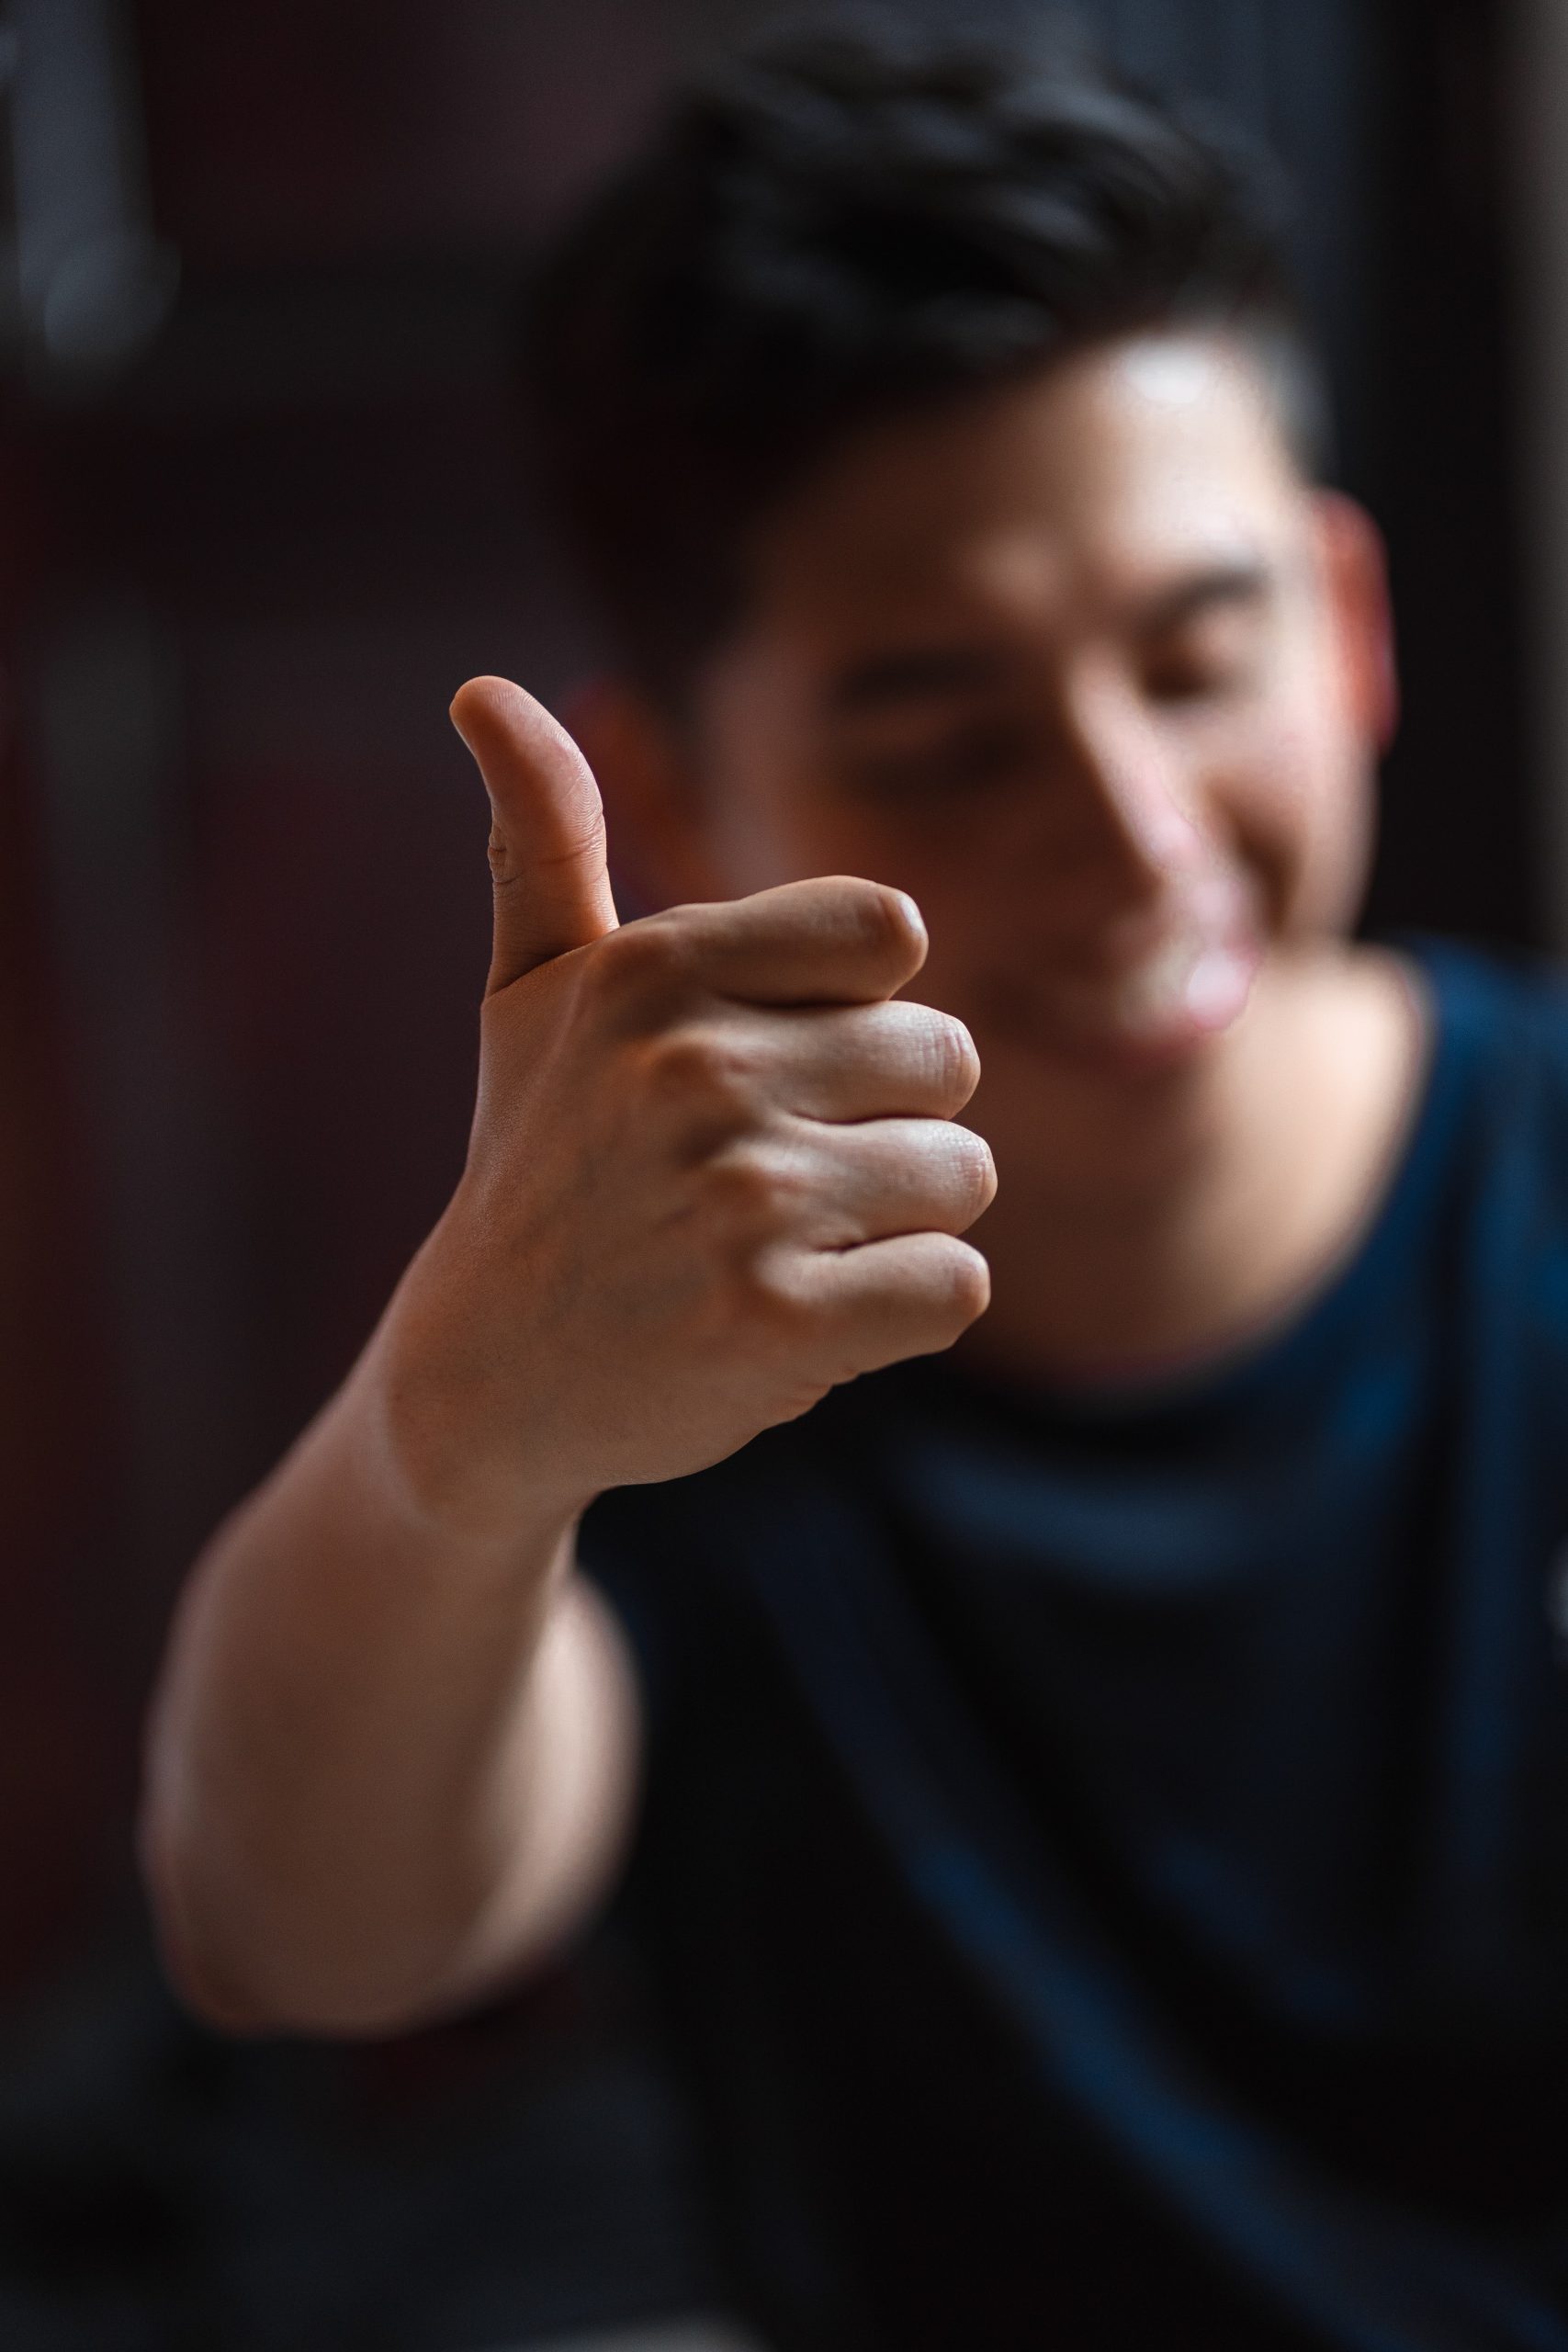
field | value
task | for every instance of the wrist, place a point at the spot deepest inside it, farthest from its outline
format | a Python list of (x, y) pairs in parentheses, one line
[(448, 1438)]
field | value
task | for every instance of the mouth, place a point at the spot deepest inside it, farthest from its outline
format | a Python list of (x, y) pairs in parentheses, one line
[(1187, 986)]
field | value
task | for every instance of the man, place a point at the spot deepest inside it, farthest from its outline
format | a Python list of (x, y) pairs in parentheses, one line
[(1103, 1838)]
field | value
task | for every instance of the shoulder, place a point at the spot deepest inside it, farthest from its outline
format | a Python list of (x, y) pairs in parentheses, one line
[(1506, 1006), (1499, 1073), (1496, 1136)]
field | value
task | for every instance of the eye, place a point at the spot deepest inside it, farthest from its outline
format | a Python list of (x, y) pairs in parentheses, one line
[(1211, 661), (1201, 675), (985, 755), (1188, 681)]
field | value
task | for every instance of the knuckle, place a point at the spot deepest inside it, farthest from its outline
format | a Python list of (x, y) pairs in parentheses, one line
[(959, 1283), (639, 956), (770, 1292), (886, 920), (977, 1169), (969, 1280), (765, 1302), (755, 1188), (966, 1058), (953, 1062), (697, 1071)]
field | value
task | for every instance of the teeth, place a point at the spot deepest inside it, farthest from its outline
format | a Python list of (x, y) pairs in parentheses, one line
[(1191, 978), (1147, 997), (1216, 988)]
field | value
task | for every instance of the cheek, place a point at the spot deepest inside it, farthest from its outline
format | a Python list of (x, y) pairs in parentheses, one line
[(806, 835), (771, 820), (1299, 811), (751, 844)]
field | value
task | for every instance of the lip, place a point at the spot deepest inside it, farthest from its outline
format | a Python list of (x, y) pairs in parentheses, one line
[(1188, 988)]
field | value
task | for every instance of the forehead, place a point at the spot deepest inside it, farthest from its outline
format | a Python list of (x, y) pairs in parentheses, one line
[(1057, 498)]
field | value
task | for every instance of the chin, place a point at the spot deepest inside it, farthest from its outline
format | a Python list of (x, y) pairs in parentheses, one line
[(1073, 1113), (1138, 1061)]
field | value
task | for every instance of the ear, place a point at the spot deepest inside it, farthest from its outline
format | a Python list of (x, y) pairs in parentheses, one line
[(652, 793), (1355, 568)]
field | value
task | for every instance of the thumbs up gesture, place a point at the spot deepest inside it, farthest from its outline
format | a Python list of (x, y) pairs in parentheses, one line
[(712, 1169)]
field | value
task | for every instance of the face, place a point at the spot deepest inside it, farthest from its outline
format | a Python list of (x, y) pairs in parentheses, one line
[(1086, 668)]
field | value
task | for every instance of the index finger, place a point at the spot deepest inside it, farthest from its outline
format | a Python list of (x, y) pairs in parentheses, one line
[(834, 941)]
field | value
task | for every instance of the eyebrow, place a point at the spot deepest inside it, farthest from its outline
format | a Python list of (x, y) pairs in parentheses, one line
[(1246, 580), (921, 673), (914, 675)]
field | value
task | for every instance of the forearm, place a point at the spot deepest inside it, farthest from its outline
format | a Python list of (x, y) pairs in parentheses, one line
[(375, 1740), (713, 1173)]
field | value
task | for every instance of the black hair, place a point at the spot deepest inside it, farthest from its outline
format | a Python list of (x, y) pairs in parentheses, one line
[(838, 226)]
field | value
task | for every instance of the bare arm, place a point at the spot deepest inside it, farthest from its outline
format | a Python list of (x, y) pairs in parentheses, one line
[(390, 1762), (712, 1172)]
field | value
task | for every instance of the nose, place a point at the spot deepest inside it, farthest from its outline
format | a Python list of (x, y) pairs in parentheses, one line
[(1119, 797)]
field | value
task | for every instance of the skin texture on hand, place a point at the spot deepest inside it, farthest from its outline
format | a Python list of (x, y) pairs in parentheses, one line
[(714, 1167), (1084, 667), (713, 1171)]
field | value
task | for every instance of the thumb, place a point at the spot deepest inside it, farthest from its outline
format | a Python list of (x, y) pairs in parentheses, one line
[(547, 836)]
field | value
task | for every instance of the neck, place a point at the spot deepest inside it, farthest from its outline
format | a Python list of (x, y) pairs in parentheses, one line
[(1209, 1204)]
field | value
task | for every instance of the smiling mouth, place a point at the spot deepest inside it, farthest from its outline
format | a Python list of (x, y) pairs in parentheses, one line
[(1190, 986), (1196, 983)]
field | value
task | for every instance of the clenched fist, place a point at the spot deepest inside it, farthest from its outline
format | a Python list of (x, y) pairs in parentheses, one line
[(713, 1168)]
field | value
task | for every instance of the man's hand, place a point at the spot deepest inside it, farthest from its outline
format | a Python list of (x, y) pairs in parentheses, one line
[(712, 1172)]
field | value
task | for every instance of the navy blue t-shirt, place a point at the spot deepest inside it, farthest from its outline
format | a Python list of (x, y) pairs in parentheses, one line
[(1107, 1860)]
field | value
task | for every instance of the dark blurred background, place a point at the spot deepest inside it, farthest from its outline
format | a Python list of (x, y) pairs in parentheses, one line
[(266, 506)]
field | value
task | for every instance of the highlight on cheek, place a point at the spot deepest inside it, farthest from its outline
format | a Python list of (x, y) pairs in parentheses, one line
[(1171, 372)]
